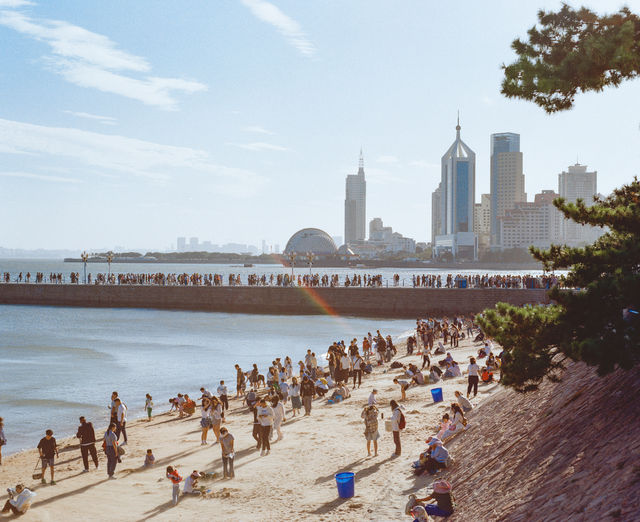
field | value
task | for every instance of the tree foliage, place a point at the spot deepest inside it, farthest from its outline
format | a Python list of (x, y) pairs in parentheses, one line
[(596, 322), (573, 51)]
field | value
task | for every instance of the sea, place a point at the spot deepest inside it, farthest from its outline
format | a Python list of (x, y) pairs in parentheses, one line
[(59, 363)]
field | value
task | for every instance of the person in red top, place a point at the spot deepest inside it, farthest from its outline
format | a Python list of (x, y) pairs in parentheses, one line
[(175, 478)]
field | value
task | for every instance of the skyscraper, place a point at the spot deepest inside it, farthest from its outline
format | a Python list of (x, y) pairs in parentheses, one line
[(436, 218), (457, 198), (576, 184), (482, 221), (507, 179), (355, 206)]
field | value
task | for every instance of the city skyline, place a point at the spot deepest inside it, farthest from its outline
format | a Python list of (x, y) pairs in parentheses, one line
[(115, 133)]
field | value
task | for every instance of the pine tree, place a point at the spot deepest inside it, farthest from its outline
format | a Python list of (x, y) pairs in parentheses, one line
[(598, 322), (572, 51)]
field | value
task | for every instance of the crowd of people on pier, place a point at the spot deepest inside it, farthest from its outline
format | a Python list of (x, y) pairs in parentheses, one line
[(285, 389), (300, 280)]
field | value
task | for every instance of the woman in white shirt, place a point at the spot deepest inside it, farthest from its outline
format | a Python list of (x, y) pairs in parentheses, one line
[(458, 423), (278, 417), (205, 422), (294, 393), (473, 370)]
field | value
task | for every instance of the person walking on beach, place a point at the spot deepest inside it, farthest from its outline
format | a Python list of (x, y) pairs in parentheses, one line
[(473, 370), (358, 365), (216, 417), (265, 418), (3, 439), (87, 438), (111, 449), (48, 451), (294, 393), (222, 394), (121, 420), (148, 406), (205, 421), (307, 392), (239, 381), (371, 433), (226, 445), (113, 407), (175, 478), (397, 424), (278, 417)]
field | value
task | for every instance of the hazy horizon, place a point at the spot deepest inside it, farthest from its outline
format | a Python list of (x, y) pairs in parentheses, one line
[(134, 123)]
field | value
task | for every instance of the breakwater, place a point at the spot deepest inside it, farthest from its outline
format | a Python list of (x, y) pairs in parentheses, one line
[(359, 302)]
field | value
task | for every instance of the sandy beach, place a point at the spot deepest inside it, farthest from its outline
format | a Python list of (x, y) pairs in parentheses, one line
[(295, 482)]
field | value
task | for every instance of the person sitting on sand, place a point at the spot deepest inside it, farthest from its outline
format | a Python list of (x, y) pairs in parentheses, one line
[(418, 378), (437, 455), (458, 423), (19, 501), (149, 459), (191, 484), (446, 362), (464, 403), (445, 501), (444, 425), (491, 363), (487, 375), (321, 387), (435, 374)]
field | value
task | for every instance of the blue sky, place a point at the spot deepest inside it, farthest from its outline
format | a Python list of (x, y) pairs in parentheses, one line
[(131, 123)]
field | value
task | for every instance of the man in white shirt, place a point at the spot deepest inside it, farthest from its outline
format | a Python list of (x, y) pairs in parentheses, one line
[(222, 392), (345, 364), (121, 418)]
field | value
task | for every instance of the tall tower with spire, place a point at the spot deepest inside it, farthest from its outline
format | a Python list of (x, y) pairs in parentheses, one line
[(456, 198), (355, 205)]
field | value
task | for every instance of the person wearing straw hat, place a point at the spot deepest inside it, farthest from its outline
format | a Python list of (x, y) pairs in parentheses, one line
[(371, 433), (445, 501)]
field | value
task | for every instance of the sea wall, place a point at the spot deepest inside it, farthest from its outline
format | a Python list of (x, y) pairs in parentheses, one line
[(362, 302)]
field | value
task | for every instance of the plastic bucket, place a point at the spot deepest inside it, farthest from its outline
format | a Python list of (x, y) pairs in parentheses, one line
[(346, 484), (436, 393)]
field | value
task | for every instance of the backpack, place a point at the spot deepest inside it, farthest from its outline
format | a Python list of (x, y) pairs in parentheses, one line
[(402, 423)]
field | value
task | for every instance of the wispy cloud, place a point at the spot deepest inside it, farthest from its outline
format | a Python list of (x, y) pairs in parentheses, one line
[(15, 3), (257, 129), (388, 159), (93, 60), (259, 146), (286, 26), (118, 154), (39, 177), (105, 120)]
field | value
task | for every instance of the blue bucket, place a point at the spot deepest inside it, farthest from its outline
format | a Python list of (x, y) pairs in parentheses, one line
[(346, 484), (436, 393)]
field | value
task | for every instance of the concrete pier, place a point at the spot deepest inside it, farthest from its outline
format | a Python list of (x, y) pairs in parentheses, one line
[(360, 302)]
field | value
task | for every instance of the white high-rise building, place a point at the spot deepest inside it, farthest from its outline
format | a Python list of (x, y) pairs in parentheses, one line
[(181, 244), (576, 184), (355, 206), (536, 223), (507, 179)]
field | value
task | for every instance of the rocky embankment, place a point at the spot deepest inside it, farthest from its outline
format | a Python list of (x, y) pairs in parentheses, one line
[(569, 451)]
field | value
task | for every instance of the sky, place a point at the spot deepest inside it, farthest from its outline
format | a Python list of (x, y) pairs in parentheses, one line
[(131, 123)]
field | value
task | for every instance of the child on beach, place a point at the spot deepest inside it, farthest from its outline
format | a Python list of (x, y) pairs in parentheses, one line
[(175, 478), (148, 406), (149, 459), (3, 439)]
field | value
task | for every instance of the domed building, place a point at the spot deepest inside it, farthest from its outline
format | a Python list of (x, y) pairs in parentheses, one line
[(311, 240)]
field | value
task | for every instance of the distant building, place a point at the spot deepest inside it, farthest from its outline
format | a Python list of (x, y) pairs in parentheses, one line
[(193, 244), (313, 240), (181, 244), (355, 205), (265, 249), (457, 198), (536, 223), (384, 239), (276, 249), (482, 221), (576, 184), (436, 218), (507, 178)]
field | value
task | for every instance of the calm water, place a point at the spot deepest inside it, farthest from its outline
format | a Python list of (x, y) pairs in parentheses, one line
[(59, 363), (15, 266)]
